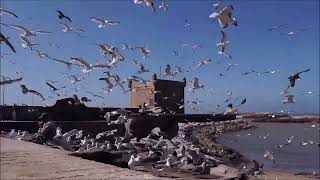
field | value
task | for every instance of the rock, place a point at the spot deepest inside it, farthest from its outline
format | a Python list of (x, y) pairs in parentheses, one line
[(225, 171)]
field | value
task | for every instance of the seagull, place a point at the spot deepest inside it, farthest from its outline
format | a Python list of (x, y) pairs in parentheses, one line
[(151, 4), (61, 15), (104, 22), (42, 54), (167, 71), (289, 99), (195, 84), (293, 78), (52, 87), (223, 42), (68, 64), (202, 62), (224, 17), (26, 43), (217, 4), (25, 90), (142, 69), (276, 27), (145, 51), (80, 60), (10, 13), (6, 41), (74, 79), (186, 23), (269, 155), (302, 143), (289, 140), (126, 46), (230, 65), (285, 91), (71, 29), (10, 81), (26, 32), (164, 5)]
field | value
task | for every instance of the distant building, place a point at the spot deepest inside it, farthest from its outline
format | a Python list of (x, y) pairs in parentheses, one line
[(165, 94)]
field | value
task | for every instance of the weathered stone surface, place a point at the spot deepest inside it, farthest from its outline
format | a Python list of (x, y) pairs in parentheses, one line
[(23, 160), (225, 171)]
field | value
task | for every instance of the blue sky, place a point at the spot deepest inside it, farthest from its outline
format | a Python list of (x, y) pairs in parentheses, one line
[(251, 46)]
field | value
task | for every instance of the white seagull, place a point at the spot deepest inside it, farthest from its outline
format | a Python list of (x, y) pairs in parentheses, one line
[(26, 43), (104, 22), (164, 5), (217, 4), (84, 63), (71, 29), (195, 84), (224, 17), (26, 32)]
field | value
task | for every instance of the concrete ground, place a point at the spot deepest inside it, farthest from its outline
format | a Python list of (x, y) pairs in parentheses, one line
[(24, 160)]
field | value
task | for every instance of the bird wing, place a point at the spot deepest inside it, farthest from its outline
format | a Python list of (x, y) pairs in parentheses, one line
[(7, 42), (97, 19), (8, 12), (83, 62), (51, 86), (36, 93), (21, 28), (60, 13), (10, 81), (42, 32), (113, 22), (227, 11), (24, 89), (303, 71)]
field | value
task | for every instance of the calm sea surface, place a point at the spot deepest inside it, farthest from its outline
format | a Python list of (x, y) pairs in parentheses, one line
[(291, 158)]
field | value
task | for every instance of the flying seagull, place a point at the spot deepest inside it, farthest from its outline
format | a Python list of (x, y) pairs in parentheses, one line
[(164, 5), (224, 17), (10, 81), (217, 4), (26, 43), (84, 63), (52, 87), (276, 27), (26, 32), (289, 99), (293, 78), (195, 84), (145, 51), (202, 62), (104, 22), (223, 42), (3, 11), (71, 29), (68, 64), (6, 41), (42, 54), (25, 90), (61, 16)]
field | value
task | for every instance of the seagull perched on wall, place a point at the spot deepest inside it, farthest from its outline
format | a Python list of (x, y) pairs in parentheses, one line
[(26, 43), (10, 13), (164, 5), (10, 81), (6, 41), (26, 32), (293, 78), (25, 90), (104, 22), (224, 17), (84, 63), (167, 71), (61, 16)]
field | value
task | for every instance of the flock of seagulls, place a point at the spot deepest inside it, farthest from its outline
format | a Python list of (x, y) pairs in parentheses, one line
[(114, 55)]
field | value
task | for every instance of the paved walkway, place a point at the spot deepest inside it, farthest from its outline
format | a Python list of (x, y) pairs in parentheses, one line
[(24, 160)]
